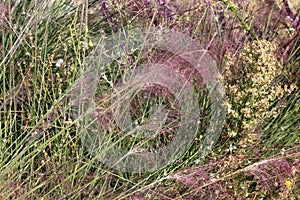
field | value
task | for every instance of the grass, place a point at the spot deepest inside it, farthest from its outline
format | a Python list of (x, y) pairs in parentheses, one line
[(44, 51)]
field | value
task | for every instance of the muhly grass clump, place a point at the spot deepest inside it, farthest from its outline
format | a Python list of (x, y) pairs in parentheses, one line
[(257, 89), (235, 177), (43, 153)]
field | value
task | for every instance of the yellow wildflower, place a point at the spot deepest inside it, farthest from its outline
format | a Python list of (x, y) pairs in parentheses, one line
[(288, 183), (91, 44)]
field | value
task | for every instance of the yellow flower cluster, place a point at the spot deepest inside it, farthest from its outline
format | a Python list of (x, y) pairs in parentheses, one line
[(250, 85), (288, 183)]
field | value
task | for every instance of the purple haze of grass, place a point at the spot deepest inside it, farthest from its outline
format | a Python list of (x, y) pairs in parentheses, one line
[(106, 14), (270, 175), (290, 13), (121, 44), (3, 11)]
